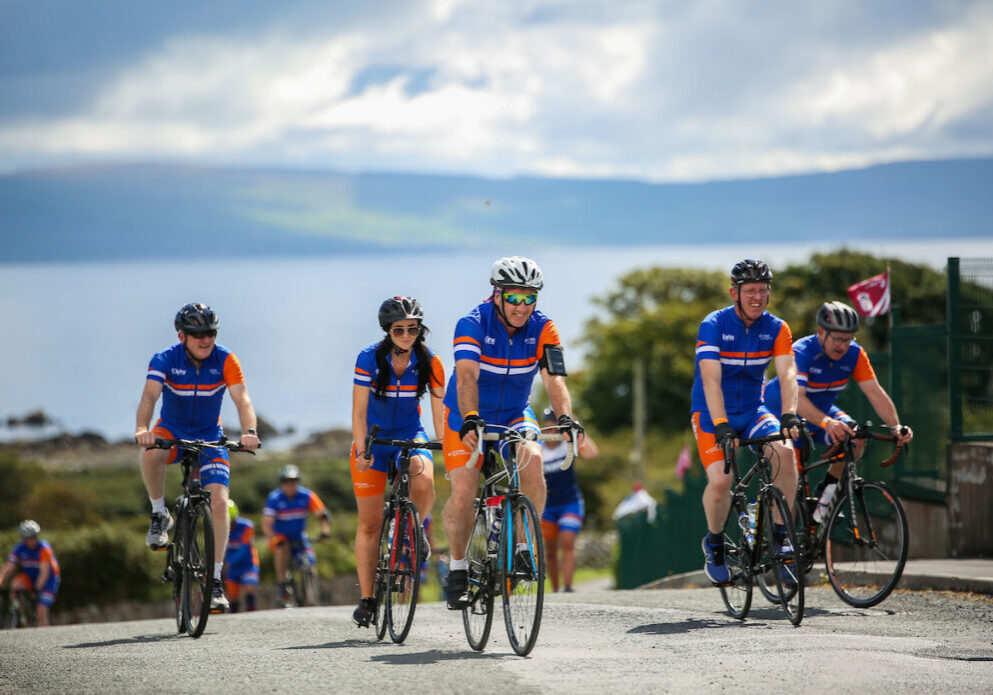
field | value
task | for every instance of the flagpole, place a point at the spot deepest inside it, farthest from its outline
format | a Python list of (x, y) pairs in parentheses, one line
[(889, 288)]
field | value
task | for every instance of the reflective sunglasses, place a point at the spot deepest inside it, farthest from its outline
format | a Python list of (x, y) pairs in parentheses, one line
[(518, 298), (203, 334), (398, 331)]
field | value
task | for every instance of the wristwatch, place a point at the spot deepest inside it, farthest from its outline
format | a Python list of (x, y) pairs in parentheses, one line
[(251, 430)]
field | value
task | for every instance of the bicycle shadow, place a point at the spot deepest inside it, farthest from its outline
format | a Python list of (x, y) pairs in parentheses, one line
[(435, 656), (343, 644), (691, 625), (137, 639)]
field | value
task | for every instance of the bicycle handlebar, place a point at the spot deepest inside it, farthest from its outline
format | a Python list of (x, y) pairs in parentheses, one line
[(406, 444), (525, 436), (729, 447), (199, 445), (864, 431)]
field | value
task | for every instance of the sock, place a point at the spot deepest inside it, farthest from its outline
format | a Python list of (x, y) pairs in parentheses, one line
[(217, 571), (715, 538), (250, 604), (462, 564), (159, 506)]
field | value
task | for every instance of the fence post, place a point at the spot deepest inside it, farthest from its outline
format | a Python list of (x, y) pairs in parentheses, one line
[(954, 314), (896, 387)]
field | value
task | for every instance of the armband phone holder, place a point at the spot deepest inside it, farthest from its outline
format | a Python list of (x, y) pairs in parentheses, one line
[(554, 360)]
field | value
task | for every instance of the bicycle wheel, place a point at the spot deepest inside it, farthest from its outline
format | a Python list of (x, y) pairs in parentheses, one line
[(477, 617), (403, 579), (198, 570), (379, 589), (865, 555), (737, 595), (782, 563), (174, 566), (522, 573), (804, 537)]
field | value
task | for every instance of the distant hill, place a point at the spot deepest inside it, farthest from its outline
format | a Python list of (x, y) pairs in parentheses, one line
[(146, 210)]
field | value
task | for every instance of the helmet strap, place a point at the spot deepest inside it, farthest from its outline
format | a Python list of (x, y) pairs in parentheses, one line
[(500, 312)]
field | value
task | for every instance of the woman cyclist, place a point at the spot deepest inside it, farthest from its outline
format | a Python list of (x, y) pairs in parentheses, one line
[(390, 377)]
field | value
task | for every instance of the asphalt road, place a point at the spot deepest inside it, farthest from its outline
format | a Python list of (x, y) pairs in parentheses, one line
[(592, 641)]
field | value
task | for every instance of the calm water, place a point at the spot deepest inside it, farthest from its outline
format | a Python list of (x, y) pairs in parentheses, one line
[(79, 336)]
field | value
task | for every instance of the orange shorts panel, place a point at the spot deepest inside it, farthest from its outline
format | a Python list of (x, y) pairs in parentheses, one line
[(365, 483), (706, 443), (455, 452)]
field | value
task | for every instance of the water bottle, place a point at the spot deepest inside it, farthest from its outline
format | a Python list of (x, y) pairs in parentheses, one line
[(493, 541), (824, 501), (750, 533)]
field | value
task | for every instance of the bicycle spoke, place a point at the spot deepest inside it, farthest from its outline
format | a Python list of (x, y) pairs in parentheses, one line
[(477, 618), (404, 573), (522, 565), (198, 575), (737, 595)]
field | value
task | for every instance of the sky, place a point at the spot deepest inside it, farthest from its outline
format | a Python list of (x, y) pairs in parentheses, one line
[(636, 90)]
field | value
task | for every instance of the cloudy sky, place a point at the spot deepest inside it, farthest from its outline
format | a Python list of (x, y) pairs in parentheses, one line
[(659, 91)]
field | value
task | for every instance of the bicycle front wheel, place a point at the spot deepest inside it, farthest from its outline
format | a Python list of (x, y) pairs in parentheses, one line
[(175, 568), (737, 595), (404, 575), (379, 589), (305, 587), (198, 569), (477, 617), (782, 559), (865, 553), (522, 573)]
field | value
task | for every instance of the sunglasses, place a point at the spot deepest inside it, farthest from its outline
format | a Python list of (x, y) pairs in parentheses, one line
[(203, 334), (518, 298), (398, 331)]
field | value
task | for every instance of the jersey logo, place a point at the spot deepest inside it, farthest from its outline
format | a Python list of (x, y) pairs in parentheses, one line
[(180, 372), (765, 336), (727, 337), (215, 371), (531, 341), (489, 341)]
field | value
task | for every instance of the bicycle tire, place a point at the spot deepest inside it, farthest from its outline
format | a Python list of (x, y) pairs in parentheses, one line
[(477, 617), (805, 538), (865, 561), (785, 565), (403, 579), (379, 588), (522, 573), (198, 568), (737, 595), (175, 566)]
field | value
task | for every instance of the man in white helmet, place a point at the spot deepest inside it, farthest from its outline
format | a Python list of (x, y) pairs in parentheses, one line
[(499, 348)]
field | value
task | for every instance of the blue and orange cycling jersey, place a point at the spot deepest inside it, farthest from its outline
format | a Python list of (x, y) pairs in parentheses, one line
[(744, 354), (31, 559), (562, 486), (507, 365), (398, 413), (191, 395), (290, 513), (822, 378), (241, 544)]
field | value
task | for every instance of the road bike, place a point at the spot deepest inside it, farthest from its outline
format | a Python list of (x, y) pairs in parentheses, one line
[(402, 546), (190, 555), (301, 576), (752, 548), (506, 552), (863, 534), (21, 611)]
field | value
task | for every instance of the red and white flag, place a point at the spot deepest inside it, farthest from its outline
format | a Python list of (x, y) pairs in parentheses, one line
[(683, 462), (872, 297)]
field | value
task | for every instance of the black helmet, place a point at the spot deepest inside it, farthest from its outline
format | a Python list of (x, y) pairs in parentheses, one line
[(837, 316), (397, 309), (750, 270), (196, 318)]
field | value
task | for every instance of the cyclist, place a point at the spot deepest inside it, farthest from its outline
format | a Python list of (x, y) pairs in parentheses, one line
[(284, 523), (499, 347), (242, 560), (564, 506), (39, 569), (825, 362), (734, 348), (391, 376), (191, 377)]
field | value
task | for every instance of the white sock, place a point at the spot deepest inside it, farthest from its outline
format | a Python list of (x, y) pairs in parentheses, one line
[(159, 506), (217, 571), (462, 564)]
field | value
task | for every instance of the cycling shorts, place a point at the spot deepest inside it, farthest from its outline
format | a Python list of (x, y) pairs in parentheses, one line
[(246, 574), (568, 517), (214, 466), (47, 593), (456, 453), (760, 423), (300, 550), (373, 481)]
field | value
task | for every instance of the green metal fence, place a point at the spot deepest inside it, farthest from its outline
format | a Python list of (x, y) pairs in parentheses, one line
[(970, 348)]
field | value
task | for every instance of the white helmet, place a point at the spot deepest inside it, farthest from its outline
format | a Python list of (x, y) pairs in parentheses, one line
[(29, 528), (517, 271)]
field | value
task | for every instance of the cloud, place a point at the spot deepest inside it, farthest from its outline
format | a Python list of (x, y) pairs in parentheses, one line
[(631, 90)]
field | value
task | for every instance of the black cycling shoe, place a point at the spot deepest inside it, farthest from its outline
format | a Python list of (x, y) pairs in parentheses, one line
[(364, 612), (456, 590)]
